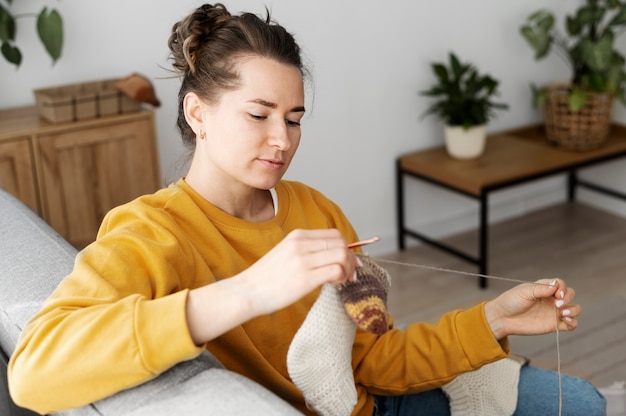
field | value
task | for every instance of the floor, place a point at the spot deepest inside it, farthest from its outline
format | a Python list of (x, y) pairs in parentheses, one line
[(583, 245)]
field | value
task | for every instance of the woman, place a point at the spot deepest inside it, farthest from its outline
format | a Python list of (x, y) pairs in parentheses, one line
[(230, 252)]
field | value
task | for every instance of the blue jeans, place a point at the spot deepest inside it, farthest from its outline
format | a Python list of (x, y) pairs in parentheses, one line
[(538, 394)]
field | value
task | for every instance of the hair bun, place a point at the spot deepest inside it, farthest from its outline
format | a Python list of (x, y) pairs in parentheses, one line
[(190, 33)]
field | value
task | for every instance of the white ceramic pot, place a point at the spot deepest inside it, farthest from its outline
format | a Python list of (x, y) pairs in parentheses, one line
[(465, 144)]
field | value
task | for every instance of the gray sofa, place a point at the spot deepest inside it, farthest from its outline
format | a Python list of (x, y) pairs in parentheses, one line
[(33, 260)]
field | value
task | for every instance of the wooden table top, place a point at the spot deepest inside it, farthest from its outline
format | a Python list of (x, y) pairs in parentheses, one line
[(509, 157), (26, 121)]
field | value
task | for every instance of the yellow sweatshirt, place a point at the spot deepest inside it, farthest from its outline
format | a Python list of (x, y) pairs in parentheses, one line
[(119, 320)]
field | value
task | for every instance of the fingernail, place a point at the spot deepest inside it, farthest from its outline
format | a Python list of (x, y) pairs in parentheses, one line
[(354, 276), (566, 312), (568, 319), (562, 294), (359, 262), (560, 303), (552, 283)]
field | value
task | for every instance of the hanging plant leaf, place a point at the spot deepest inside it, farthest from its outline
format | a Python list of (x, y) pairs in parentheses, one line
[(7, 26), (538, 39), (11, 54), (50, 30)]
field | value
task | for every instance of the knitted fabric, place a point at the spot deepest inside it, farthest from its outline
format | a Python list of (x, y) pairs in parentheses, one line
[(488, 391), (319, 360), (365, 300)]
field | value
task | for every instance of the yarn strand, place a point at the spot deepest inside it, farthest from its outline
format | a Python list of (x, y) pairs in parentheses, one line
[(441, 269), (558, 360), (508, 279)]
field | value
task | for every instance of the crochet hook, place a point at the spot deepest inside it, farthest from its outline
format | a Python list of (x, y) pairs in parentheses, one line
[(363, 242)]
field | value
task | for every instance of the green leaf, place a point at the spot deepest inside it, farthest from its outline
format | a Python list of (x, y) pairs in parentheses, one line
[(50, 30), (589, 15), (441, 72), (576, 100), (544, 21), (455, 65), (613, 4), (583, 16), (11, 53), (597, 82), (537, 32), (615, 75), (539, 96), (7, 25), (573, 26), (539, 40), (598, 54), (619, 18)]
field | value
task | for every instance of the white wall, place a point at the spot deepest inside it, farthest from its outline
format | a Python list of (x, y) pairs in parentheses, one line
[(369, 61)]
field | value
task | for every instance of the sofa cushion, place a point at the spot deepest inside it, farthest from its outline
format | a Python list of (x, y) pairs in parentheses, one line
[(33, 260)]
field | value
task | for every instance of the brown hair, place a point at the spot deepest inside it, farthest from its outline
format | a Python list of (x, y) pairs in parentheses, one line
[(204, 48)]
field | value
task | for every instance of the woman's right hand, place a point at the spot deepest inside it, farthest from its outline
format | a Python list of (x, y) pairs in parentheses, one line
[(301, 262)]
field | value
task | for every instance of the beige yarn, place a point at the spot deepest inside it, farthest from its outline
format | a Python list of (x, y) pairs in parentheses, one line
[(489, 391), (319, 360)]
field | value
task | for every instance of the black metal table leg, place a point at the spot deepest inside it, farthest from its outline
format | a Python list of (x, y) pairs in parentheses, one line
[(483, 239), (572, 182), (400, 205)]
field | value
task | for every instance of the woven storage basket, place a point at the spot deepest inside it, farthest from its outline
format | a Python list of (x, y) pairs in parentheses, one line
[(584, 130)]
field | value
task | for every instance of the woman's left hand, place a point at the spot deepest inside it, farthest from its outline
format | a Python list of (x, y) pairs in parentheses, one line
[(533, 309)]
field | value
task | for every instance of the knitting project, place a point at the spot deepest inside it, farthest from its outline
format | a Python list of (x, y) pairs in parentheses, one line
[(365, 300), (488, 391), (319, 360)]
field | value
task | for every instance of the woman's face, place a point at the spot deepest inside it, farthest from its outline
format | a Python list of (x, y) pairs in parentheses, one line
[(252, 133)]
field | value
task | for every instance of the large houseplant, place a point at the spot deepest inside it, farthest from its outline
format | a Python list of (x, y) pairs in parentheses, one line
[(578, 112), (463, 101), (49, 25)]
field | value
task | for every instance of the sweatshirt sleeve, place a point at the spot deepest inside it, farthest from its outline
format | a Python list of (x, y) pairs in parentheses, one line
[(425, 356), (118, 320)]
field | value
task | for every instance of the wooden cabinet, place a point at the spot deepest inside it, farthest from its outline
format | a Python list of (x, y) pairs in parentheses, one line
[(72, 174), (16, 171)]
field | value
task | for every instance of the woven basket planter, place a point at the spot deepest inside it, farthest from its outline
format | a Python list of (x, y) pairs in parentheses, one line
[(584, 130)]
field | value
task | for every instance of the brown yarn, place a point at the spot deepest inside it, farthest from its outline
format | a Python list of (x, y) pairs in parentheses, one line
[(365, 300)]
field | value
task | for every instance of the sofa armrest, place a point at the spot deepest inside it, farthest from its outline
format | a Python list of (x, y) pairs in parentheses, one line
[(33, 260), (199, 386)]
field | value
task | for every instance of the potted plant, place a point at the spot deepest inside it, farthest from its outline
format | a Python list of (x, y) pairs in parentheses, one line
[(578, 112), (463, 101), (49, 29)]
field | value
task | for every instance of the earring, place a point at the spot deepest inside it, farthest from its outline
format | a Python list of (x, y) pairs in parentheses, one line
[(201, 135)]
